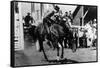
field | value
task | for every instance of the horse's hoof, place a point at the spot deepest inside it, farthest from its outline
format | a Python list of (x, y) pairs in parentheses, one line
[(66, 47), (73, 51), (33, 44), (62, 58), (58, 58), (40, 50), (53, 49)]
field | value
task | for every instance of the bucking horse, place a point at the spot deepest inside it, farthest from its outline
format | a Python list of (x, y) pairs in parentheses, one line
[(56, 34)]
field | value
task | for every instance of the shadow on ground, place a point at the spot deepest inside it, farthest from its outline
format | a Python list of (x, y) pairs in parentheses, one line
[(62, 61)]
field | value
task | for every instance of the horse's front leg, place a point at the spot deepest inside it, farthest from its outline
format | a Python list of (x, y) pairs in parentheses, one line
[(41, 44)]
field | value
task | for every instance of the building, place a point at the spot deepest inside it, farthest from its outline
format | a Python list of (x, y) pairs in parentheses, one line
[(83, 14), (21, 9), (18, 27)]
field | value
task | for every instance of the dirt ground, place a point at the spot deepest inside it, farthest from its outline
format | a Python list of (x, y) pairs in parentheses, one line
[(30, 56)]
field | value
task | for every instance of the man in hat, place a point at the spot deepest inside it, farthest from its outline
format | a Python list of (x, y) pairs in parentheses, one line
[(28, 19), (57, 15), (48, 20), (51, 13)]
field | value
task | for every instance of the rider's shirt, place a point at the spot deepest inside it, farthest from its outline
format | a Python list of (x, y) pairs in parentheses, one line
[(52, 17)]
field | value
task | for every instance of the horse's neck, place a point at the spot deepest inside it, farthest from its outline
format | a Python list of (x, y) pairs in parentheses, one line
[(67, 24)]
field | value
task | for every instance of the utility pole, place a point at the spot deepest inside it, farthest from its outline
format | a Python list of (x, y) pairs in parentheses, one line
[(82, 16), (82, 23)]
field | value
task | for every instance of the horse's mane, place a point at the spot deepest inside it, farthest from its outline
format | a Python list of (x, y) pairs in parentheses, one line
[(57, 29)]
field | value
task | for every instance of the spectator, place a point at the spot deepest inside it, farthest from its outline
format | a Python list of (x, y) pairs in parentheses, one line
[(94, 23), (67, 19), (70, 16), (28, 19)]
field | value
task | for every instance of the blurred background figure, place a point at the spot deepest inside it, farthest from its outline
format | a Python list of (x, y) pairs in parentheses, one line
[(91, 32), (70, 16), (28, 20), (67, 18), (66, 14), (94, 23), (94, 26)]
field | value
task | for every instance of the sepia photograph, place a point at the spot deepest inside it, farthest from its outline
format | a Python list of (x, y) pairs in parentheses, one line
[(53, 33)]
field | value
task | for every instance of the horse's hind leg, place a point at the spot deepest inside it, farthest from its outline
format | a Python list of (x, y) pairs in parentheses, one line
[(65, 43), (58, 53), (45, 55), (49, 44), (56, 44), (62, 52)]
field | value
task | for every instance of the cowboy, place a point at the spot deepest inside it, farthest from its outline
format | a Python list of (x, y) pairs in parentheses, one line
[(50, 15), (48, 20), (57, 15)]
